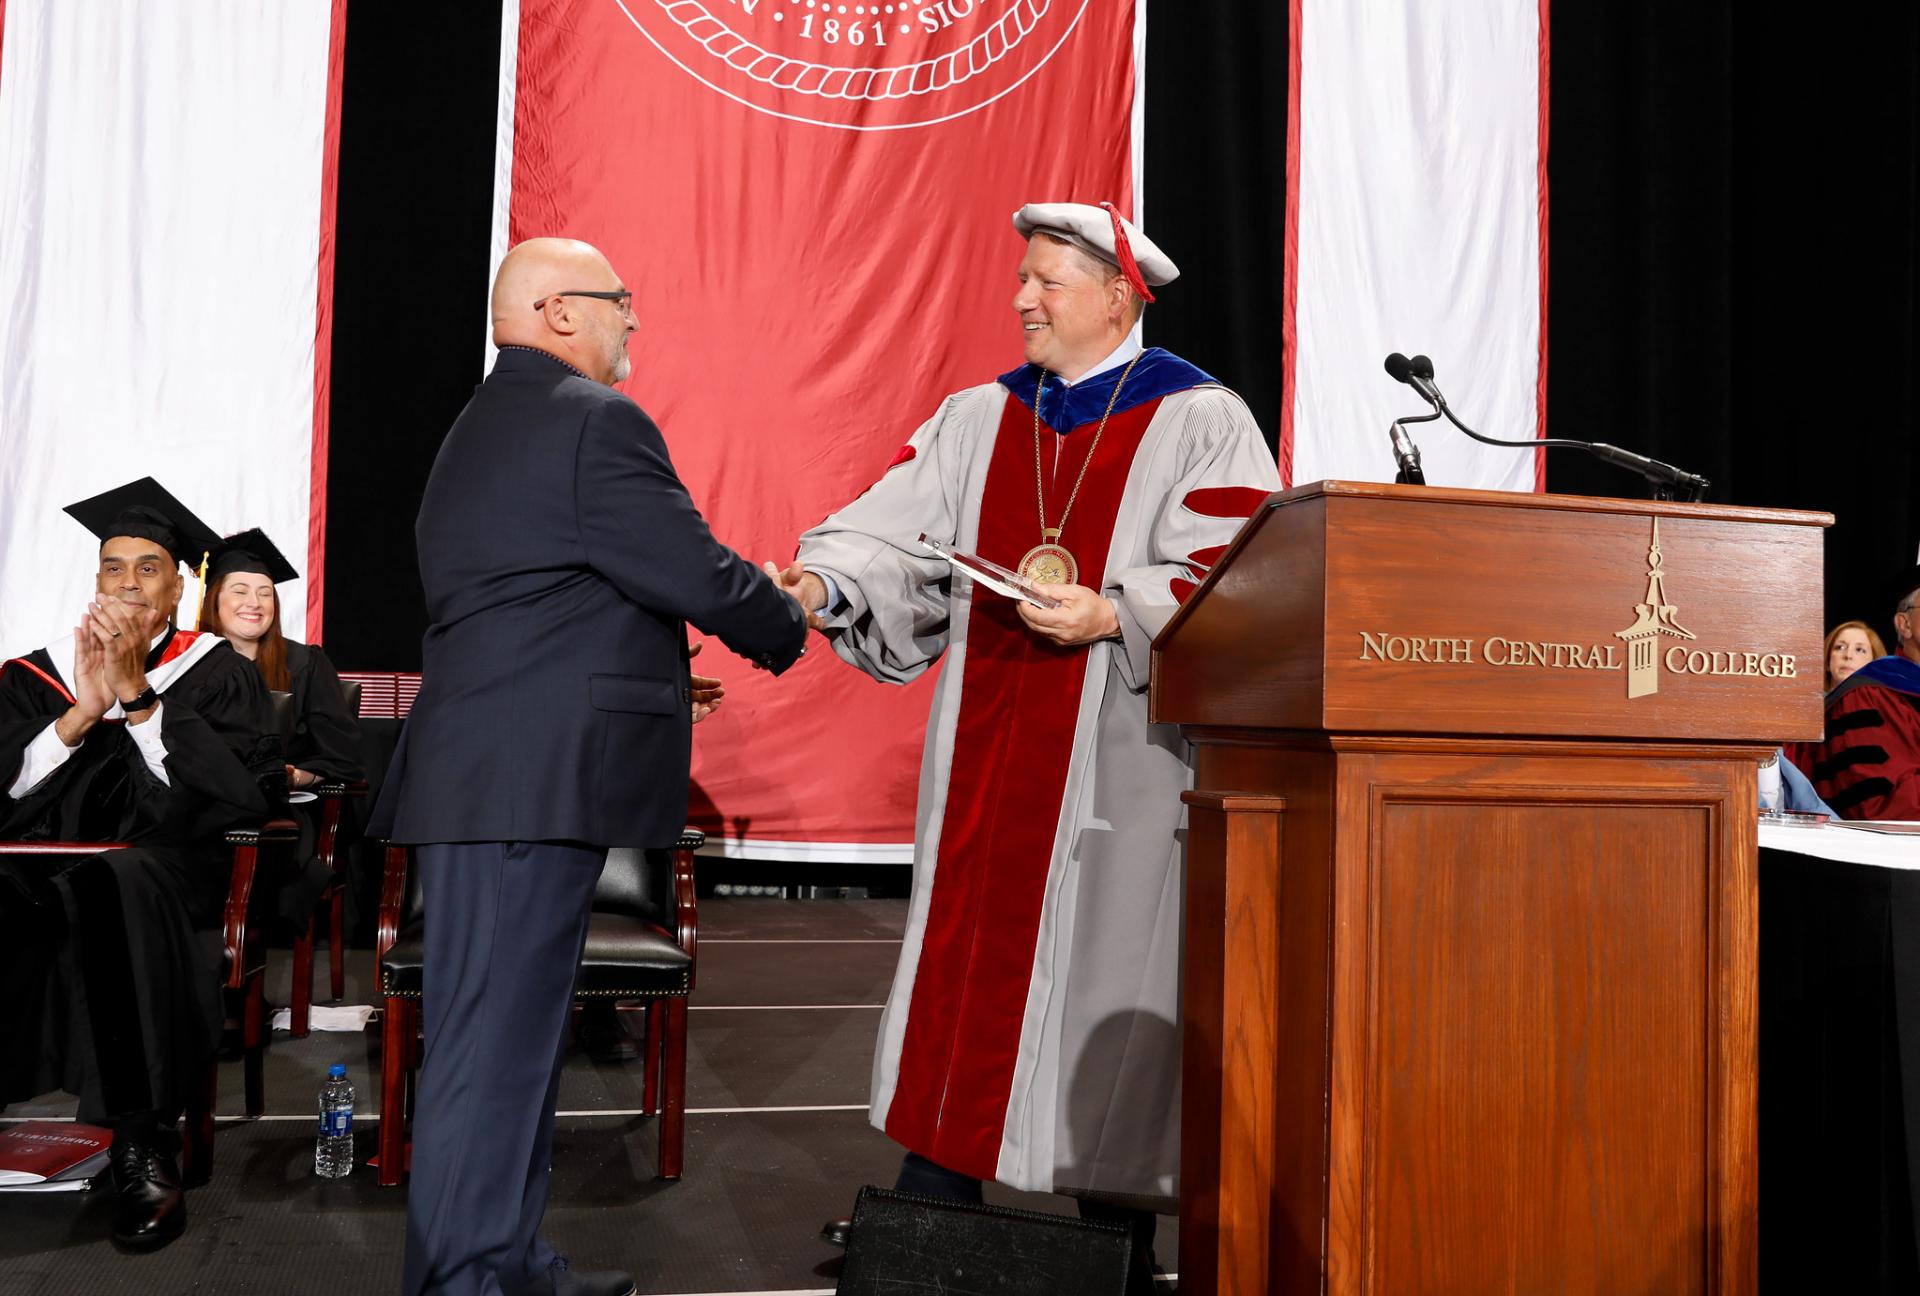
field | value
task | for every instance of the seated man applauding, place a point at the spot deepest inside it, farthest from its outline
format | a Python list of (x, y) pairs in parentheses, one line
[(127, 731)]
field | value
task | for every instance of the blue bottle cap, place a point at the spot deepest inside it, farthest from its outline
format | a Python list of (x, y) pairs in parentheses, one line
[(337, 1071)]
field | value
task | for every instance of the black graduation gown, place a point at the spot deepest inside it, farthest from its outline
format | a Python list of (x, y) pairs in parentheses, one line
[(326, 738), (325, 741), (109, 963)]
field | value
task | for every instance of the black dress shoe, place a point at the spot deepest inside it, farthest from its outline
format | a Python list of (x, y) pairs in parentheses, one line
[(148, 1209), (603, 1035), (561, 1280), (835, 1232)]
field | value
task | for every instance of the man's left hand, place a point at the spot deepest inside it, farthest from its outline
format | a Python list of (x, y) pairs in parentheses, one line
[(1084, 616), (707, 691), (122, 630)]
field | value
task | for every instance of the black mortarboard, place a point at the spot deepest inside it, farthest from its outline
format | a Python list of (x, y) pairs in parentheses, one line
[(250, 551), (147, 510)]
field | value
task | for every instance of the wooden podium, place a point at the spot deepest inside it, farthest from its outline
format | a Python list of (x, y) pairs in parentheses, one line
[(1471, 891)]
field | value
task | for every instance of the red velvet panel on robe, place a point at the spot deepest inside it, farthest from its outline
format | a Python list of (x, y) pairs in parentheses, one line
[(1012, 745)]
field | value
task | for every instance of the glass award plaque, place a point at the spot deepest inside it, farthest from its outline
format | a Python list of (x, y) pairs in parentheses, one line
[(991, 574)]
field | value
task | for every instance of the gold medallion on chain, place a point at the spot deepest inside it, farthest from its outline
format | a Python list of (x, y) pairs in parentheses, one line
[(1049, 562)]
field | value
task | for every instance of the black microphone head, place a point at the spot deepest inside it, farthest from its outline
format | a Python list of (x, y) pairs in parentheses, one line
[(1422, 367), (1399, 367)]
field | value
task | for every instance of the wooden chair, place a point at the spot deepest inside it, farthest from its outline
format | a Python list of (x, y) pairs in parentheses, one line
[(642, 942), (332, 798), (238, 954)]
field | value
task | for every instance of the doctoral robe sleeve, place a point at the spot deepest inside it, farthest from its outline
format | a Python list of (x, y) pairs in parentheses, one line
[(28, 708), (327, 741), (1223, 471), (893, 622), (642, 532), (1868, 766)]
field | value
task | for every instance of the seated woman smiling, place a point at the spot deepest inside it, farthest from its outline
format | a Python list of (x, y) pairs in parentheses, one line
[(242, 605)]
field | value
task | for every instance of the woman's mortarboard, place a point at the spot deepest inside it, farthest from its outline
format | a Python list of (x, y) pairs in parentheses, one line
[(250, 551)]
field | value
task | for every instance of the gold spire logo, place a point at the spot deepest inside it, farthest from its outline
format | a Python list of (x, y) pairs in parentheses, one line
[(1653, 618)]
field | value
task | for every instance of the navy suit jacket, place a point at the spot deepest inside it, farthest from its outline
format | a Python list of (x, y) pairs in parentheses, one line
[(561, 558)]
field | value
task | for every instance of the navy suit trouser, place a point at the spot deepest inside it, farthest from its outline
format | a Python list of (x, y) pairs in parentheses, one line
[(506, 924)]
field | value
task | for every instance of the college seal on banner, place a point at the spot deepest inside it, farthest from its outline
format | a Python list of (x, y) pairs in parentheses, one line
[(859, 66)]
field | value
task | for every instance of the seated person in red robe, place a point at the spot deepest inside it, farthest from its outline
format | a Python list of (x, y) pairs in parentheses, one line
[(1868, 765)]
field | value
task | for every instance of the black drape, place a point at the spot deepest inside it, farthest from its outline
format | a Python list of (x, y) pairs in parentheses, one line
[(1216, 189), (414, 224), (1731, 261), (1731, 276)]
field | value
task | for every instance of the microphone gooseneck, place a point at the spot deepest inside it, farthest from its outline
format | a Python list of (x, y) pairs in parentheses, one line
[(1668, 481)]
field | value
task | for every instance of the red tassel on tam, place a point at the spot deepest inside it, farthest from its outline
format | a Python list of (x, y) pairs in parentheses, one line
[(1124, 250)]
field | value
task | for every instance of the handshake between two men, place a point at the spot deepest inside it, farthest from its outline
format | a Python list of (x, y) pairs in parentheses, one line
[(1083, 616)]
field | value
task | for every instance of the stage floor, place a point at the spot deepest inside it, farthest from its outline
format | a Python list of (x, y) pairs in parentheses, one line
[(780, 1042)]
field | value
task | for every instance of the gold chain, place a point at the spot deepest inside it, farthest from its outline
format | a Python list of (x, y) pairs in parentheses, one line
[(1039, 489)]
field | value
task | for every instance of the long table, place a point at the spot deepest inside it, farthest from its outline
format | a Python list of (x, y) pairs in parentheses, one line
[(1839, 1061)]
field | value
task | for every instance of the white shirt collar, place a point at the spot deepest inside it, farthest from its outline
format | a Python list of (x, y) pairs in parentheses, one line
[(1127, 350)]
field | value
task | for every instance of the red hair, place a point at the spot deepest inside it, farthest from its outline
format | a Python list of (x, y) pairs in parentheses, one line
[(1873, 641), (271, 653)]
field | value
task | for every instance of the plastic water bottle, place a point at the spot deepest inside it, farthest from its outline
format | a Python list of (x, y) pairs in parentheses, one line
[(333, 1148)]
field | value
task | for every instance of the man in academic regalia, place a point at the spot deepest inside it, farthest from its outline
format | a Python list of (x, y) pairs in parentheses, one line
[(1868, 764), (128, 730), (1032, 1035)]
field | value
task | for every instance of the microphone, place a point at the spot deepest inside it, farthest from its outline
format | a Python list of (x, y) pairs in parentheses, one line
[(1667, 480), (1417, 373), (1407, 455), (1660, 474)]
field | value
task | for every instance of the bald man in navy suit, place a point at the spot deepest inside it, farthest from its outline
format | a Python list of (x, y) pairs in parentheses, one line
[(562, 560)]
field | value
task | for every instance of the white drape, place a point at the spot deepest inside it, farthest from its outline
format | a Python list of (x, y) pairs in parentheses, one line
[(1419, 218), (160, 171)]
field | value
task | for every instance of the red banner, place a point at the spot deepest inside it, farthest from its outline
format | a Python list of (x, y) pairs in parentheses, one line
[(811, 202)]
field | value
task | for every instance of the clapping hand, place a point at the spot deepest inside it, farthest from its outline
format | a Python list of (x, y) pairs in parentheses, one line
[(91, 696), (1083, 617), (707, 691), (122, 631), (109, 663)]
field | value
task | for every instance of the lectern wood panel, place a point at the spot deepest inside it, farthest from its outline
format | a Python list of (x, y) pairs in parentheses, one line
[(1503, 1158), (1534, 615), (1473, 861)]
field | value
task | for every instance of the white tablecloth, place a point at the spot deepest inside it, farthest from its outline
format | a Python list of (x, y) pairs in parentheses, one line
[(1845, 845)]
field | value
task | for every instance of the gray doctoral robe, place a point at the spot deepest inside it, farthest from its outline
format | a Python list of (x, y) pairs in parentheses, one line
[(1053, 1064)]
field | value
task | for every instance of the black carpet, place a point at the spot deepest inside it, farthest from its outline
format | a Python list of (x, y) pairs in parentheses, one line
[(759, 1180)]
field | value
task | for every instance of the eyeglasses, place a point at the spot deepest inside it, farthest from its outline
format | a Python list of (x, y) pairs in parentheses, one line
[(622, 298)]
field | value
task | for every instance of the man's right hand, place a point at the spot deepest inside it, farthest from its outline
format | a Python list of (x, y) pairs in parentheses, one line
[(804, 588), (91, 696)]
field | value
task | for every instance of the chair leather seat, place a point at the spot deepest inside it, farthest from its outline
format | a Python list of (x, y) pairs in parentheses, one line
[(626, 958)]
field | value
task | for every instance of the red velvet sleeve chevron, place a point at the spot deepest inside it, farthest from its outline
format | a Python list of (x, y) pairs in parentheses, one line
[(1226, 502)]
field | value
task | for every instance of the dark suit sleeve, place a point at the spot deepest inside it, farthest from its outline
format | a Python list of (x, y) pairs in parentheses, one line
[(643, 533)]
